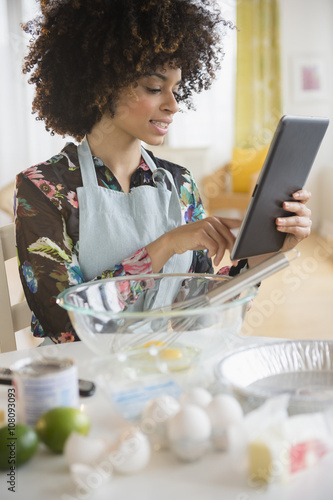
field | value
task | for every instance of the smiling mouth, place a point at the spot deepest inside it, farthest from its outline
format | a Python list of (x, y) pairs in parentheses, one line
[(160, 124)]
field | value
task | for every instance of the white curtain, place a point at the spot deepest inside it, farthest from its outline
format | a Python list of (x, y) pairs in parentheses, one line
[(23, 140)]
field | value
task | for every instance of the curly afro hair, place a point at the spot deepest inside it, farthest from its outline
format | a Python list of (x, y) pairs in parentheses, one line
[(84, 52)]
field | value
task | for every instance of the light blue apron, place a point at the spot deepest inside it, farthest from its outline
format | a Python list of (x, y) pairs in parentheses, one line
[(114, 225)]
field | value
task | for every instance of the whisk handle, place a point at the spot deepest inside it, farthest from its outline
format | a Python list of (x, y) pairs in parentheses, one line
[(251, 276)]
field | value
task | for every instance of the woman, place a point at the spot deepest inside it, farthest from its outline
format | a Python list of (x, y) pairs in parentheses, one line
[(112, 74)]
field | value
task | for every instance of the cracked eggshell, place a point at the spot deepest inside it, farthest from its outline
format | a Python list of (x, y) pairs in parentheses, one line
[(79, 449), (131, 453), (155, 416), (88, 477)]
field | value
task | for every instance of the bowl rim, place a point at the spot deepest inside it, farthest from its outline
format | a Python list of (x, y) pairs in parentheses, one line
[(244, 391), (62, 298)]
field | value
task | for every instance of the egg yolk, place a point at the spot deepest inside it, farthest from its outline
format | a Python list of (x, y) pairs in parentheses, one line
[(166, 353), (153, 342), (171, 354)]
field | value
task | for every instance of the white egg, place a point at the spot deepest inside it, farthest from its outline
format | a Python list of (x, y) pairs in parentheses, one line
[(132, 452), (189, 433), (85, 450), (155, 416), (196, 395), (223, 411)]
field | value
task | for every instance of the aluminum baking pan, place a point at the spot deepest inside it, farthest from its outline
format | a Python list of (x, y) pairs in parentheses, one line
[(303, 369)]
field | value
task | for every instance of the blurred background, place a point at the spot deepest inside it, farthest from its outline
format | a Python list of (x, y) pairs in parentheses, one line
[(278, 61)]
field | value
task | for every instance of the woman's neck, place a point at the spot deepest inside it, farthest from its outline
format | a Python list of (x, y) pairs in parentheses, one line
[(120, 155)]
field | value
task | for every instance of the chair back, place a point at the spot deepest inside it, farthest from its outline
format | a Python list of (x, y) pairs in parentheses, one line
[(14, 317)]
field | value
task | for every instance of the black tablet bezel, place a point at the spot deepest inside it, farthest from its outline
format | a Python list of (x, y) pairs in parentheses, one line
[(288, 163)]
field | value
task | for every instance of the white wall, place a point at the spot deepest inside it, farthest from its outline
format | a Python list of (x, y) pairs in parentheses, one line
[(307, 33), (211, 124)]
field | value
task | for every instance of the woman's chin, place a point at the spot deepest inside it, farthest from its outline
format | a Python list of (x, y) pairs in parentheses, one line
[(156, 141)]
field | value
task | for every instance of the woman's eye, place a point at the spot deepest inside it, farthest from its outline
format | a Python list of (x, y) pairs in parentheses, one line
[(157, 91), (153, 91)]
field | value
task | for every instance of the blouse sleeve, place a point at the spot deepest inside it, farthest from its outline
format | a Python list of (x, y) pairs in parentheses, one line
[(48, 258)]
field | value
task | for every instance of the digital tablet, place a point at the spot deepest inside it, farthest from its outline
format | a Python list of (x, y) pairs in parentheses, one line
[(288, 163)]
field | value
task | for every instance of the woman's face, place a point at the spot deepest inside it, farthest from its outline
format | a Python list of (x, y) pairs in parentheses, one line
[(146, 111)]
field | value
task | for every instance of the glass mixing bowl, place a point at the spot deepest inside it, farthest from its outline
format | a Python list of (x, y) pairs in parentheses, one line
[(155, 322)]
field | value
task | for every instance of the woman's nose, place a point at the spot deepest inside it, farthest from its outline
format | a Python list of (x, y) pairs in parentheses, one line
[(171, 104)]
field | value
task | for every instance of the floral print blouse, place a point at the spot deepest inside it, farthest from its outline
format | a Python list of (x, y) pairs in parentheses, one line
[(47, 233)]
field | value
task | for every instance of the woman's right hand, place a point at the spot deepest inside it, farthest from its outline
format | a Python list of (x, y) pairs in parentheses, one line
[(212, 234)]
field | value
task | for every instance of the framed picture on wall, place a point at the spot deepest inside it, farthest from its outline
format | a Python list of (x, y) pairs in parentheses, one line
[(310, 78)]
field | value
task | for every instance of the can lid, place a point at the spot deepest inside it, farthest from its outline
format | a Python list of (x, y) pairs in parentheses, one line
[(30, 367)]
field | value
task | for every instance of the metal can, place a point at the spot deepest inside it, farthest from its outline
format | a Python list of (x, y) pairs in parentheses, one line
[(44, 384)]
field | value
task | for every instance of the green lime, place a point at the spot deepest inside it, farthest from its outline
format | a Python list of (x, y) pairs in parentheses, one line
[(18, 443), (54, 427)]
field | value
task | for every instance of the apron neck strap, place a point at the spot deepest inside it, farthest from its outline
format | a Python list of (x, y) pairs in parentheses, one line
[(87, 165), (148, 159)]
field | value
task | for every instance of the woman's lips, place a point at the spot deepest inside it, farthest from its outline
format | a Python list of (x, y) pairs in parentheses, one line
[(161, 127)]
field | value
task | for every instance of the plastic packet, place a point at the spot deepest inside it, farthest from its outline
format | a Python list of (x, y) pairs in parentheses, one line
[(128, 391), (272, 412), (275, 447)]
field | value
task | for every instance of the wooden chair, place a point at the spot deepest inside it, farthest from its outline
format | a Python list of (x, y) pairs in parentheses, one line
[(7, 199), (13, 317), (232, 185), (218, 193)]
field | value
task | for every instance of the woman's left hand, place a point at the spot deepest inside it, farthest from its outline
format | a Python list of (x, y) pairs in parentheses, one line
[(297, 225)]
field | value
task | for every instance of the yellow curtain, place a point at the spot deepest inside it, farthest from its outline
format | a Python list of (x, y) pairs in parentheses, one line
[(258, 94)]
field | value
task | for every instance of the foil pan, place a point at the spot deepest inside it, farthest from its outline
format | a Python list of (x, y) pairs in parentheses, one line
[(303, 369)]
